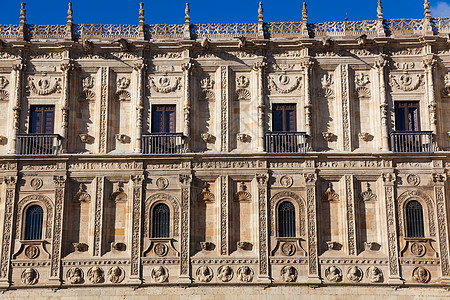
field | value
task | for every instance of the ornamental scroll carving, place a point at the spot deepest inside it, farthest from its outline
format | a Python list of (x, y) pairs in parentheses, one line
[(43, 86), (283, 84), (164, 84), (48, 213), (409, 195), (175, 210), (287, 195), (406, 82)]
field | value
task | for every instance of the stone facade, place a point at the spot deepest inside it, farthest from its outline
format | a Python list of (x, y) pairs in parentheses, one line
[(225, 169)]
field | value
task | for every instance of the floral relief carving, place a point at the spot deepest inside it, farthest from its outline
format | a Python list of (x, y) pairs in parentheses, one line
[(282, 84), (204, 274), (29, 276), (44, 86), (160, 274), (405, 82), (225, 273), (116, 274), (164, 84)]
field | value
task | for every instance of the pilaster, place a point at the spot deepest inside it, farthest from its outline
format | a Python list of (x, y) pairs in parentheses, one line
[(224, 109), (429, 62), (187, 67), (66, 66), (259, 66), (136, 229), (139, 66), (18, 68), (306, 63), (98, 215), (351, 216), (343, 93), (224, 216), (185, 182), (380, 64), (103, 110), (262, 181)]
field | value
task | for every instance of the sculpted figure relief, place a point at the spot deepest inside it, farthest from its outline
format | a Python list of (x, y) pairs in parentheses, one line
[(30, 276), (204, 274), (116, 274), (374, 274), (354, 274), (333, 274), (75, 275), (245, 274), (421, 275), (160, 274), (95, 275), (225, 273), (289, 274)]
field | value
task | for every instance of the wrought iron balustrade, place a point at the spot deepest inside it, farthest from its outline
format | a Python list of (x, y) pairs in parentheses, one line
[(412, 141), (286, 142), (162, 143), (38, 144)]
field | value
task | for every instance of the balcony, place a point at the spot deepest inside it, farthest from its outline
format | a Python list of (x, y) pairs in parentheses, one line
[(286, 142), (412, 141), (38, 144), (162, 143)]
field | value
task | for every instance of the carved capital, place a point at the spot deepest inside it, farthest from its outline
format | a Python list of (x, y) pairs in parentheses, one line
[(185, 179), (306, 62), (389, 178), (59, 180), (381, 61), (310, 178), (261, 179), (137, 179), (439, 177), (187, 65), (10, 181), (18, 66), (139, 65), (67, 66), (429, 61), (260, 64)]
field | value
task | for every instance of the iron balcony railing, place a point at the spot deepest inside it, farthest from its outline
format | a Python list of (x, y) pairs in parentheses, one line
[(162, 143), (412, 141), (38, 144), (286, 142)]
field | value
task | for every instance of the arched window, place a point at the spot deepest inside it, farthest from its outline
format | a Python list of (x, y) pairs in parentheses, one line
[(286, 219), (414, 219), (161, 221), (33, 223)]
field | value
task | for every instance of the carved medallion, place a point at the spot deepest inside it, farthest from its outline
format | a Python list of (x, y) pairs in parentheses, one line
[(75, 275), (288, 249), (418, 249), (333, 274), (164, 84), (413, 179), (30, 276), (225, 273), (162, 183), (289, 274), (116, 274), (36, 183), (95, 275), (161, 249), (44, 86), (286, 181), (204, 274), (32, 251), (421, 275), (245, 274), (374, 274), (354, 274), (160, 274)]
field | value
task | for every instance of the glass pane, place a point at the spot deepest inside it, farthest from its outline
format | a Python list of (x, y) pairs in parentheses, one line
[(157, 121), (36, 119), (277, 120)]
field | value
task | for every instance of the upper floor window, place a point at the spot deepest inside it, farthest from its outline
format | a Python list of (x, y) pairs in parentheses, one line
[(407, 116), (414, 219), (163, 118), (33, 223), (286, 219), (283, 117), (42, 118), (161, 221)]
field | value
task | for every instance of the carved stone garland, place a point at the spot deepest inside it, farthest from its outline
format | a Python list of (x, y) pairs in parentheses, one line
[(224, 236), (311, 207), (10, 182), (224, 108), (185, 180), (60, 183), (99, 195), (351, 222), (136, 226), (105, 73)]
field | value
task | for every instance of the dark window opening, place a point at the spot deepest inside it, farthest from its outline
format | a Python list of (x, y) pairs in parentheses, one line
[(414, 219), (284, 117), (33, 223), (163, 119), (161, 221), (286, 219), (407, 116), (42, 118)]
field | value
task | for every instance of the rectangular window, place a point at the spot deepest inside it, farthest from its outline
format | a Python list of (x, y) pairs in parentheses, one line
[(42, 118), (407, 116), (163, 119), (284, 117)]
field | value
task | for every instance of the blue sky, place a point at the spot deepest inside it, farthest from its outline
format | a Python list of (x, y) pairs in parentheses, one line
[(212, 11)]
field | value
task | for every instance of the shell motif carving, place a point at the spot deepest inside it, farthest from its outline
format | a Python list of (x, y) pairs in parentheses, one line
[(4, 96), (330, 194)]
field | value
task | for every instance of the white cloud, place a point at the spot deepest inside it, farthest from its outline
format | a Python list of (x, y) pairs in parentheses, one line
[(442, 9)]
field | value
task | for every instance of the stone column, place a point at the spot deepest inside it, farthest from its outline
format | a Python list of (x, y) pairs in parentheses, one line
[(55, 265), (263, 227), (66, 67), (351, 216), (136, 229), (18, 68), (185, 181), (224, 216), (343, 88), (98, 215), (306, 64), (187, 67), (7, 237), (380, 65), (439, 179), (139, 66), (428, 63), (311, 209), (392, 230), (259, 66)]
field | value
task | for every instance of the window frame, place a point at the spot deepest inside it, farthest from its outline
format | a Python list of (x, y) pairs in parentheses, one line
[(26, 220), (152, 221), (43, 109), (165, 108), (406, 105), (284, 107), (294, 225), (409, 225)]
